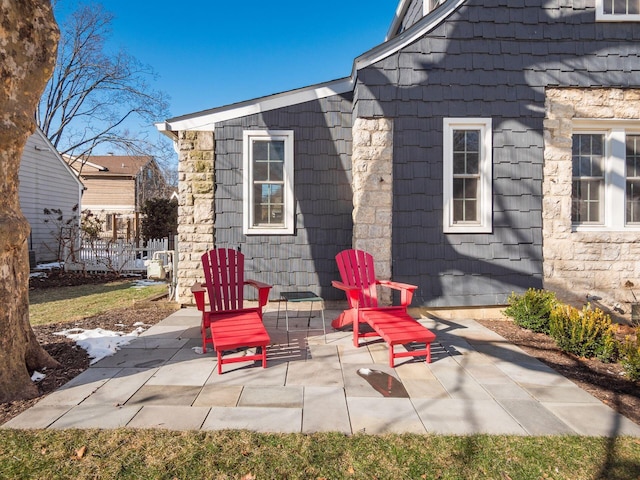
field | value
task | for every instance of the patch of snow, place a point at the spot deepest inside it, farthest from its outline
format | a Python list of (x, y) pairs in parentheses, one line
[(49, 266), (146, 283), (37, 376), (197, 350), (100, 343)]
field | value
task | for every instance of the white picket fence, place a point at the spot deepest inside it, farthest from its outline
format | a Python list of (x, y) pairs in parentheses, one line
[(109, 256)]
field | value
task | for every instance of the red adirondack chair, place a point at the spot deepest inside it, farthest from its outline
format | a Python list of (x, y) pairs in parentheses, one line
[(227, 324), (359, 282), (392, 323)]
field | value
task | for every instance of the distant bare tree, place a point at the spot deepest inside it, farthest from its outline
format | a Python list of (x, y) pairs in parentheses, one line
[(95, 96)]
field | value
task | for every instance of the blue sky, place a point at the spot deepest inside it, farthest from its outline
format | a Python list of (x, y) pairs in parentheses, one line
[(210, 53)]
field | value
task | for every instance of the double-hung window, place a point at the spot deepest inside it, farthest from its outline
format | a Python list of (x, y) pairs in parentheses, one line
[(467, 186), (268, 205), (605, 176), (618, 10)]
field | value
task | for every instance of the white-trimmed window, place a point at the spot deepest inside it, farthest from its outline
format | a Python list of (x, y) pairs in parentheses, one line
[(618, 10), (467, 184), (268, 205), (605, 176)]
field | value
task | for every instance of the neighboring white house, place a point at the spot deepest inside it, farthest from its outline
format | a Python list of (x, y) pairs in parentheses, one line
[(46, 182)]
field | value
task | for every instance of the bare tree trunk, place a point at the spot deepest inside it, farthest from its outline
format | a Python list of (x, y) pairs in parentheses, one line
[(28, 42)]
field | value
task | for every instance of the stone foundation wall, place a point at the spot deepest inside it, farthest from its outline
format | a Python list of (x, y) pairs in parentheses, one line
[(577, 264), (372, 170), (195, 208)]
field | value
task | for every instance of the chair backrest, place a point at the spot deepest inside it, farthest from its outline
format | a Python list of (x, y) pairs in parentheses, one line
[(357, 270), (224, 278)]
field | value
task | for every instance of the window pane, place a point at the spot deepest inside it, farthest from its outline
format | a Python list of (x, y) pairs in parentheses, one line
[(633, 156), (458, 210), (473, 163), (260, 150), (269, 206), (588, 177), (466, 151), (458, 163), (276, 171), (632, 191), (633, 201), (586, 204), (276, 150), (458, 188), (465, 203), (260, 171), (458, 141)]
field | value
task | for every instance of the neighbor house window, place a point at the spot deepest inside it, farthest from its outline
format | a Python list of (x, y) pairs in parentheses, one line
[(618, 10), (605, 176), (268, 182), (467, 175)]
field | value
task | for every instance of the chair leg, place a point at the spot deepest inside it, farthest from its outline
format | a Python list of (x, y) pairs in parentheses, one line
[(219, 362), (203, 333)]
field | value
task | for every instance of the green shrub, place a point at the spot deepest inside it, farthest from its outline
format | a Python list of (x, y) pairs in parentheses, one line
[(630, 356), (532, 309), (587, 333)]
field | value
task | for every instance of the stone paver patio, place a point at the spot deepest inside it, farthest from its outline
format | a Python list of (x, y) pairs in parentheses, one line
[(477, 383)]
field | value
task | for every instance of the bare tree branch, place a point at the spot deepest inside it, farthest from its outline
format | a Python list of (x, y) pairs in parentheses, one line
[(97, 97)]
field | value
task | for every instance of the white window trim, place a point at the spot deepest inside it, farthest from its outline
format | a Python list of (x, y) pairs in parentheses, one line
[(247, 177), (614, 132), (602, 17), (485, 217)]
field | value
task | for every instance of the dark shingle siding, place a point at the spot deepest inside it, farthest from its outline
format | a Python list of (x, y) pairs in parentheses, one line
[(322, 146), (490, 59)]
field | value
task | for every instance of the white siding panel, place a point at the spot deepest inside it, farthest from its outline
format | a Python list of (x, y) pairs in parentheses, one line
[(46, 182)]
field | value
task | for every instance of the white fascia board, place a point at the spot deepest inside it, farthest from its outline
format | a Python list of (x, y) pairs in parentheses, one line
[(401, 10), (428, 23), (206, 121)]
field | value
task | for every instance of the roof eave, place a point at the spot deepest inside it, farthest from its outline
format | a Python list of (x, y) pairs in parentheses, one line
[(207, 119), (425, 25)]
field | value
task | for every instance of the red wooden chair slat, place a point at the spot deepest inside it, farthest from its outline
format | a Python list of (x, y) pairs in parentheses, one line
[(230, 324)]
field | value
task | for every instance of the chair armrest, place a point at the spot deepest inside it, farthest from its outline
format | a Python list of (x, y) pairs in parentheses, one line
[(263, 291), (353, 293), (406, 290), (198, 290)]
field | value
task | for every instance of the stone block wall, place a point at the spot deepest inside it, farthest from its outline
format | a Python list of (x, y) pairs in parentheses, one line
[(581, 263), (372, 183), (196, 186)]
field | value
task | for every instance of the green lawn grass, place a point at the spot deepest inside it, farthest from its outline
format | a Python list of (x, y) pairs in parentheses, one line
[(67, 304), (244, 455)]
